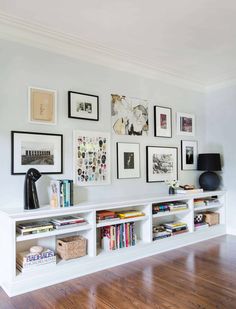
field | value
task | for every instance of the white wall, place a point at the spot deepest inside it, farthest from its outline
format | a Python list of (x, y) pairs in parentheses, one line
[(21, 66), (221, 128)]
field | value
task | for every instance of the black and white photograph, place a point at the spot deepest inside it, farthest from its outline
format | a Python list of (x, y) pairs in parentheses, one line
[(128, 160), (189, 154), (83, 106), (129, 115), (42, 151), (185, 124), (162, 163), (162, 121)]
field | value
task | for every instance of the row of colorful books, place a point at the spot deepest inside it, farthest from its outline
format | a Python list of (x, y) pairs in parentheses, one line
[(61, 193), (112, 215), (118, 236), (62, 222), (171, 206), (27, 261), (169, 229)]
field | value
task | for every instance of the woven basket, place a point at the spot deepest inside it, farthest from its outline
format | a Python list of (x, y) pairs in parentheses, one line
[(72, 247), (212, 218)]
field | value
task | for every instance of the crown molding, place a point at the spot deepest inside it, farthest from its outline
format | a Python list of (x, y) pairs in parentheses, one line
[(221, 85), (18, 30)]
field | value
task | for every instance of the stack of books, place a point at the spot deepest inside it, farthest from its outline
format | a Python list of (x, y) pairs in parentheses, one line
[(156, 208), (189, 191), (26, 261), (61, 193), (118, 236), (106, 215), (199, 202), (28, 228), (160, 232), (64, 222), (176, 228), (175, 206), (200, 226), (130, 214)]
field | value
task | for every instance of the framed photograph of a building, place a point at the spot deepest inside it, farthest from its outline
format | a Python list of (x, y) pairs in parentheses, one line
[(162, 163), (162, 121), (185, 124), (42, 151), (189, 154), (83, 106), (128, 160)]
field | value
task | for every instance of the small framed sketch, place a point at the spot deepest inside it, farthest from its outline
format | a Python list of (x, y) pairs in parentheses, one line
[(162, 121), (91, 158), (83, 106), (42, 151), (185, 124), (162, 163), (128, 160), (189, 154), (42, 105)]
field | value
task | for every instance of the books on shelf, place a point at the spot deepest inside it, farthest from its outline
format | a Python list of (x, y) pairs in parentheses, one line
[(109, 215), (61, 193), (105, 215), (170, 206), (191, 191), (28, 228), (130, 214), (210, 201), (118, 236), (176, 227), (64, 222), (159, 232)]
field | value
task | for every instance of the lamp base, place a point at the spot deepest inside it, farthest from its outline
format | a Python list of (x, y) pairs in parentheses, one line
[(209, 181)]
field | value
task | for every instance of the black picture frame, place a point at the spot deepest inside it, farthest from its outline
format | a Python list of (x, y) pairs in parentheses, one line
[(161, 178), (79, 110), (192, 164), (156, 122), (54, 140)]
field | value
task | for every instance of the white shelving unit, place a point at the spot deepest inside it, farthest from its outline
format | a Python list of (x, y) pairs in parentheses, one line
[(14, 282)]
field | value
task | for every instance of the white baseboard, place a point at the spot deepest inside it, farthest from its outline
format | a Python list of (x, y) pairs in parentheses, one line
[(231, 231)]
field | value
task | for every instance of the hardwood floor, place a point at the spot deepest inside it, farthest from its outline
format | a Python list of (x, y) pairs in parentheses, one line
[(197, 276)]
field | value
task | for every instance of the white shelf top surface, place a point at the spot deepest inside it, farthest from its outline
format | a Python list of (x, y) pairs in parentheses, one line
[(47, 211)]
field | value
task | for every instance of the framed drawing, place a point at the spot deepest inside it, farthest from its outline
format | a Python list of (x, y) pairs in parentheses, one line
[(42, 151), (42, 105), (185, 124), (83, 106), (91, 158), (162, 121), (129, 115), (128, 160), (162, 163), (189, 154)]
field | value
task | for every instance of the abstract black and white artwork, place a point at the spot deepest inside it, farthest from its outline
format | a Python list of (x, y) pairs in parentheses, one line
[(129, 115), (162, 163), (189, 154), (128, 160)]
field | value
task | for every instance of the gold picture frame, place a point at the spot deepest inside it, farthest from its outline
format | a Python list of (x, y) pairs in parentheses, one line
[(42, 105)]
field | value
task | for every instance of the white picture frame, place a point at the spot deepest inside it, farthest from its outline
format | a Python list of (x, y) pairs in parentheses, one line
[(185, 124), (161, 163), (128, 160), (189, 153), (162, 121), (91, 158), (42, 105)]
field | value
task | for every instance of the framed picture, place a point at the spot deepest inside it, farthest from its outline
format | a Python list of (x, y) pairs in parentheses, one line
[(162, 163), (42, 151), (91, 158), (128, 160), (185, 124), (129, 115), (162, 121), (189, 154), (83, 106), (42, 105)]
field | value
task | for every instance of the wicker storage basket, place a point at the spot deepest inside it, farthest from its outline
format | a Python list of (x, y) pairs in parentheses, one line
[(72, 247), (211, 218)]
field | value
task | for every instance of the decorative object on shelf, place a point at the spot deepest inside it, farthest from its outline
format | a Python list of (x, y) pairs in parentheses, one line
[(162, 121), (211, 218), (43, 151), (185, 124), (91, 158), (30, 192), (83, 106), (189, 155), (162, 163), (128, 160), (172, 184), (209, 162), (129, 115), (42, 105), (72, 247)]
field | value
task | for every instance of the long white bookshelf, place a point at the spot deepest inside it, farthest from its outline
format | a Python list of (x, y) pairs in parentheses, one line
[(15, 282)]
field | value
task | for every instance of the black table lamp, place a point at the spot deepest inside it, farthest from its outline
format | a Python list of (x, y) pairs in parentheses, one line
[(209, 162)]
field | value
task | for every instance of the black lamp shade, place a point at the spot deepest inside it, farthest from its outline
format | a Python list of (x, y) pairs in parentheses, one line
[(209, 162)]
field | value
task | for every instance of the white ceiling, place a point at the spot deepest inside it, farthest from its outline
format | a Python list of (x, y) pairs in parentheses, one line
[(191, 39)]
